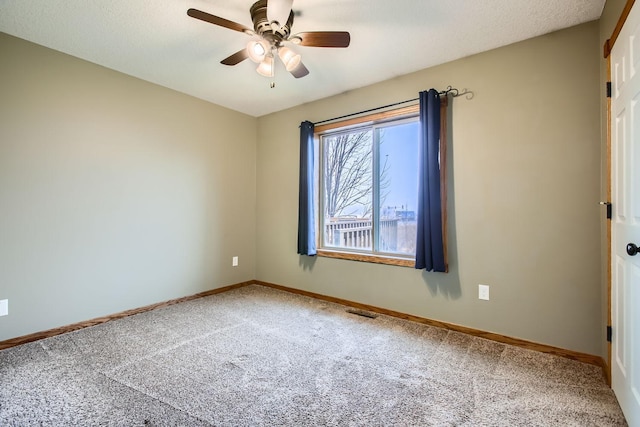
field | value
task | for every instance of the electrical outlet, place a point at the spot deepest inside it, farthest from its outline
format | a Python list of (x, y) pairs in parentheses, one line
[(234, 261), (4, 307), (483, 292)]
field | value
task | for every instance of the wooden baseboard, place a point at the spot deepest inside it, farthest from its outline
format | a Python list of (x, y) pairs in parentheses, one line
[(98, 320), (569, 354)]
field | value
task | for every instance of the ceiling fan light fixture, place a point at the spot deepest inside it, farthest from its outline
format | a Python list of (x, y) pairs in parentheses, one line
[(266, 66), (272, 23), (289, 58), (257, 50)]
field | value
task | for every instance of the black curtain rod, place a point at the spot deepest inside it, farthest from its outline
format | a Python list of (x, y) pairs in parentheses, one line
[(449, 90), (366, 111)]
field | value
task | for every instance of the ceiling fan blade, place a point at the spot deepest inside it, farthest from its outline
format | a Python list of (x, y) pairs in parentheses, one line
[(207, 17), (236, 58), (323, 38), (299, 71), (279, 10)]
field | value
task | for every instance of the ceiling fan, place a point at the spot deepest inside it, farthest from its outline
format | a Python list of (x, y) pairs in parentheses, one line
[(272, 21)]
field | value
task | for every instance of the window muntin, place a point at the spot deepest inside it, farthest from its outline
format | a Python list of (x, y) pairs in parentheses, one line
[(369, 188)]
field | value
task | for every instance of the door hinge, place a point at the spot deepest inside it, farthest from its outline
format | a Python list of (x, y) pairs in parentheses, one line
[(608, 89), (609, 209), (609, 333)]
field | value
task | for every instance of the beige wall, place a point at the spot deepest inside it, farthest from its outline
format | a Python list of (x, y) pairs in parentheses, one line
[(524, 212), (114, 193)]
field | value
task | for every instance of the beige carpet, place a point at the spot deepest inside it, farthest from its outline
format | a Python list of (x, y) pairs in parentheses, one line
[(256, 356)]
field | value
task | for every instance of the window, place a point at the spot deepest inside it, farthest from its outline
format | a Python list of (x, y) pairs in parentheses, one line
[(368, 173)]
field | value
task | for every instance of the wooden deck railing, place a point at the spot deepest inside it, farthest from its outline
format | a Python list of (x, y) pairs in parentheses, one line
[(357, 233)]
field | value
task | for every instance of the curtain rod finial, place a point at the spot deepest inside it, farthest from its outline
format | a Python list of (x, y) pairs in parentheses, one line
[(456, 93)]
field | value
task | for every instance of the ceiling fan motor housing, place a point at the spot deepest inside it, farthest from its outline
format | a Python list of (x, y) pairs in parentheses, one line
[(272, 33)]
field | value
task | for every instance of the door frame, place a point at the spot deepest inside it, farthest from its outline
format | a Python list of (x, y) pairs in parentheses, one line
[(608, 46)]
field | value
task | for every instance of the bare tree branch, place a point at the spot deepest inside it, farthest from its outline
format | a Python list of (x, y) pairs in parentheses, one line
[(348, 166)]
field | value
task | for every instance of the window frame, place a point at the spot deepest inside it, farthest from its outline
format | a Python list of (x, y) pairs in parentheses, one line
[(385, 117)]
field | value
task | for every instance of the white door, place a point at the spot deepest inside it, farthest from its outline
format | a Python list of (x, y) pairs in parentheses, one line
[(625, 169)]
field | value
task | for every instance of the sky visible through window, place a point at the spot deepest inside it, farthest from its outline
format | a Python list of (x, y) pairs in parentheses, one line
[(399, 148)]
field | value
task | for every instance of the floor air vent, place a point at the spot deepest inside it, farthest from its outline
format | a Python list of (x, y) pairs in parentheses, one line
[(362, 313)]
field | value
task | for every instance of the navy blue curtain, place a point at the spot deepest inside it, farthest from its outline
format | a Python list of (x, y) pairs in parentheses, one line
[(429, 245), (306, 223)]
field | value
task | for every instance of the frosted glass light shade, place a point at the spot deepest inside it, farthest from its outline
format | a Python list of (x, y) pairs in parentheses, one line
[(257, 50), (289, 58), (266, 67)]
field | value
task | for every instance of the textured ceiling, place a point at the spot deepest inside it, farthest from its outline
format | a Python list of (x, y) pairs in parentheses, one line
[(156, 40)]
